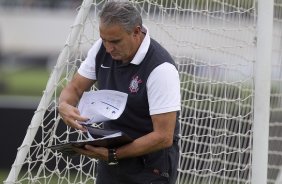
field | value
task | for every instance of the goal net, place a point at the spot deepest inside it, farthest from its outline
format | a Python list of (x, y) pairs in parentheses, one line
[(214, 45)]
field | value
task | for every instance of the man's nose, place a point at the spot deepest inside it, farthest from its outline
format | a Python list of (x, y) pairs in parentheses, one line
[(109, 47)]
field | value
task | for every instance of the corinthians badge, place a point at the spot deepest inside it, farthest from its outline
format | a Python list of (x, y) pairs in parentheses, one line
[(134, 84)]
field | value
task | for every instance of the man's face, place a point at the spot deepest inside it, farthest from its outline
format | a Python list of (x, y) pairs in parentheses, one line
[(120, 44)]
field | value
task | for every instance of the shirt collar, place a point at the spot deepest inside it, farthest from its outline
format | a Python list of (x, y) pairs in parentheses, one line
[(143, 49)]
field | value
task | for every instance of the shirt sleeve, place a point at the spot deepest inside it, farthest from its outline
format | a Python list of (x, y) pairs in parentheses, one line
[(163, 88), (87, 68)]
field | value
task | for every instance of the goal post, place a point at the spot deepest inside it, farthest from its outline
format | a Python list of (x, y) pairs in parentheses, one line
[(262, 95), (223, 52), (38, 117)]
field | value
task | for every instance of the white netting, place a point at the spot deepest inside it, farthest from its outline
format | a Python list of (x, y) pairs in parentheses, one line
[(275, 129), (213, 43)]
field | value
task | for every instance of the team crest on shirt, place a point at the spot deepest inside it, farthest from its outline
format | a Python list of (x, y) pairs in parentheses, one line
[(134, 84)]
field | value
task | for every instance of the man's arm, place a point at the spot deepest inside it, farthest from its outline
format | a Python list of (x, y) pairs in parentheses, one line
[(69, 98), (161, 137)]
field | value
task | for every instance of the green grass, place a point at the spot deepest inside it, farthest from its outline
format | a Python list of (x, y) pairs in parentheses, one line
[(28, 82), (3, 175)]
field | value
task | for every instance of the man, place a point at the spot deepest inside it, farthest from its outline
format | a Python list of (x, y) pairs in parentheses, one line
[(126, 59)]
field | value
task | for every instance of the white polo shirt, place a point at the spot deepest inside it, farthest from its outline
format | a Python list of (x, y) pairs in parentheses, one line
[(163, 85)]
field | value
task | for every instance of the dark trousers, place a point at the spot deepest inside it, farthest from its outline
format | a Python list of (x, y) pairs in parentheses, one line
[(156, 168)]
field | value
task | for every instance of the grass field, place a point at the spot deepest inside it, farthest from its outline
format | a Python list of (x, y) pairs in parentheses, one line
[(23, 82), (3, 174)]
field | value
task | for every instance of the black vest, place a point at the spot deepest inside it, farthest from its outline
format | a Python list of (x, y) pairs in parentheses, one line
[(131, 79)]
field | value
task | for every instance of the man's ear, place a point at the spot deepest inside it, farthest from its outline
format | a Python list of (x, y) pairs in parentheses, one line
[(137, 30)]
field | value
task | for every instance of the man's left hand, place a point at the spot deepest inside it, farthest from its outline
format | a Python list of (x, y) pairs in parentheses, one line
[(93, 152)]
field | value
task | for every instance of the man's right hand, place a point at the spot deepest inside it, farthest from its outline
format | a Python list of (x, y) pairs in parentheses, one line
[(71, 116)]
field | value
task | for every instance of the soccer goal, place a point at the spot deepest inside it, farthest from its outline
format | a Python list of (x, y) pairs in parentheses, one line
[(223, 53)]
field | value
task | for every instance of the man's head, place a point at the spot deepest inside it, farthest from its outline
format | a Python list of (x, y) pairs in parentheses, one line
[(120, 13), (120, 29)]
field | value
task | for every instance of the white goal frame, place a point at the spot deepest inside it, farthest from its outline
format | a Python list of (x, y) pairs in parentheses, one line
[(262, 92), (46, 97)]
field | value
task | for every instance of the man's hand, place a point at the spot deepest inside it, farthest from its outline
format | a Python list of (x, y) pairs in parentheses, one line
[(93, 152), (70, 97), (71, 116)]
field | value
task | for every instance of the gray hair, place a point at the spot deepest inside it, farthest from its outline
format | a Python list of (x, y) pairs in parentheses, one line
[(121, 13)]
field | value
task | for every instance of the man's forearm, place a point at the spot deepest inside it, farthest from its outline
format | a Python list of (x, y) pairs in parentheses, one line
[(69, 96), (143, 145), (74, 90)]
